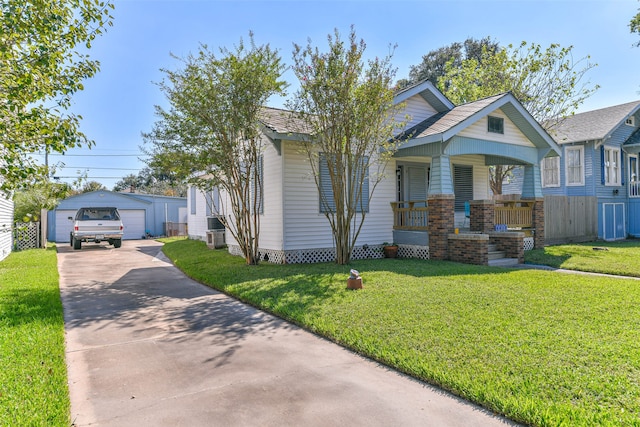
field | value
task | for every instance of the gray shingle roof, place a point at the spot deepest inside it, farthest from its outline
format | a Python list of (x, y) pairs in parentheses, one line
[(281, 121), (592, 125), (443, 122)]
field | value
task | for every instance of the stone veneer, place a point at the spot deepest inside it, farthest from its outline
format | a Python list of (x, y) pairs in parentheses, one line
[(441, 224), (469, 248), (482, 215)]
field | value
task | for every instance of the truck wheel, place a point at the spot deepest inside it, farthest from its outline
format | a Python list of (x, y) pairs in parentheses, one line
[(117, 243), (77, 244)]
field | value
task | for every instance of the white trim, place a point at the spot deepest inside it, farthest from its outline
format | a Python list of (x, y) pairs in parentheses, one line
[(616, 157), (580, 149), (555, 169)]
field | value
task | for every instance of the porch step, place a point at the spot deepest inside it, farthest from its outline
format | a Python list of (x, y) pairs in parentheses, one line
[(494, 253), (503, 262)]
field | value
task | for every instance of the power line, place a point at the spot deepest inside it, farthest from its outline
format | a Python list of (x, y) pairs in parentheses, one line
[(88, 177), (91, 167), (98, 155)]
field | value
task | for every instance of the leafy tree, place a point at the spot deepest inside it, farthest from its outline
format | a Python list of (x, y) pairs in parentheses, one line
[(92, 186), (131, 181), (634, 26), (347, 107), (213, 127), (548, 82), (30, 201), (43, 62), (434, 63), (151, 181)]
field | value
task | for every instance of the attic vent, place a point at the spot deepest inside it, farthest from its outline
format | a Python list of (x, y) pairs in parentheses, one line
[(631, 121)]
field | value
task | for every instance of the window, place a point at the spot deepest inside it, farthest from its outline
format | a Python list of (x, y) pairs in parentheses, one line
[(496, 125), (550, 172), (327, 202), (631, 121), (212, 202), (192, 199), (611, 166), (574, 165)]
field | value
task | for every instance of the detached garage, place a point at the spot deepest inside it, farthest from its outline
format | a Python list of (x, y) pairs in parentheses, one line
[(140, 213)]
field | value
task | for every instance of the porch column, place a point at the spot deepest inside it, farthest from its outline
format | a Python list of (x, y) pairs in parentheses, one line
[(532, 183), (538, 221), (441, 202), (441, 224), (482, 215), (440, 178)]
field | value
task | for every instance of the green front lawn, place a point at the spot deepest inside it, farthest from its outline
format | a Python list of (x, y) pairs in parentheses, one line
[(607, 257), (542, 348), (33, 373)]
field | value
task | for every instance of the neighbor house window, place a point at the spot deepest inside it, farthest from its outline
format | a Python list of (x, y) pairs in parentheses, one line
[(611, 166), (551, 171), (192, 199), (574, 164), (355, 183), (631, 121), (496, 125)]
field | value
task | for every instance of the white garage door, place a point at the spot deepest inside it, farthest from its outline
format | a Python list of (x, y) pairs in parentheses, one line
[(134, 223), (63, 225), (132, 219)]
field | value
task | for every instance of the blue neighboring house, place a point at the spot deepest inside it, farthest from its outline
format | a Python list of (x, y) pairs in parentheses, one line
[(600, 150)]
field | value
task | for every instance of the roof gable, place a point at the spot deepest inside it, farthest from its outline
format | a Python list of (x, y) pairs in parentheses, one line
[(596, 125), (100, 198), (447, 124), (428, 92)]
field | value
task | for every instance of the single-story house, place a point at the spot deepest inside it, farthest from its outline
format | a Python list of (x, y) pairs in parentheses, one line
[(142, 214), (441, 166), (6, 226), (599, 164)]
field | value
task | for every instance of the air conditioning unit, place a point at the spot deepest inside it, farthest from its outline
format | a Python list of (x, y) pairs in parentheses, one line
[(215, 239)]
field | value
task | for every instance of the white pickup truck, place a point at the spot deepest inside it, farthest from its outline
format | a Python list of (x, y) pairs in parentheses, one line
[(96, 225)]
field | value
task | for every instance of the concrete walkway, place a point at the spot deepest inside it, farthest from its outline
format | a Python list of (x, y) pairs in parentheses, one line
[(147, 346)]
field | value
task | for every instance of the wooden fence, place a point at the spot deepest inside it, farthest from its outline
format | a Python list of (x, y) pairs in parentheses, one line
[(570, 219)]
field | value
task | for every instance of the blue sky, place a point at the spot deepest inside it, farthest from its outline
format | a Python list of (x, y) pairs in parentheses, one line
[(118, 104)]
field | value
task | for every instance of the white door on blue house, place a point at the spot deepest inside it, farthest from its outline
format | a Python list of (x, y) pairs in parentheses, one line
[(613, 226), (634, 187)]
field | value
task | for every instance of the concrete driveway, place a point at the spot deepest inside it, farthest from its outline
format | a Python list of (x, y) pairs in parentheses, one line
[(146, 346)]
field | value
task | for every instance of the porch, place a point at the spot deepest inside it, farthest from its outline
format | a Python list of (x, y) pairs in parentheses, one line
[(487, 229), (413, 215)]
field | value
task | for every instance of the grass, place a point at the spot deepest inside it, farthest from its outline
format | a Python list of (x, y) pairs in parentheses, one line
[(33, 377), (542, 348), (607, 257)]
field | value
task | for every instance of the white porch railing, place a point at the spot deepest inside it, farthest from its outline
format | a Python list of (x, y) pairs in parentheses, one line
[(634, 189)]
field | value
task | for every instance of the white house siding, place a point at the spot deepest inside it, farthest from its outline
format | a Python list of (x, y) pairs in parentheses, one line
[(271, 219), (197, 223), (512, 134), (418, 109), (6, 219), (307, 228)]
